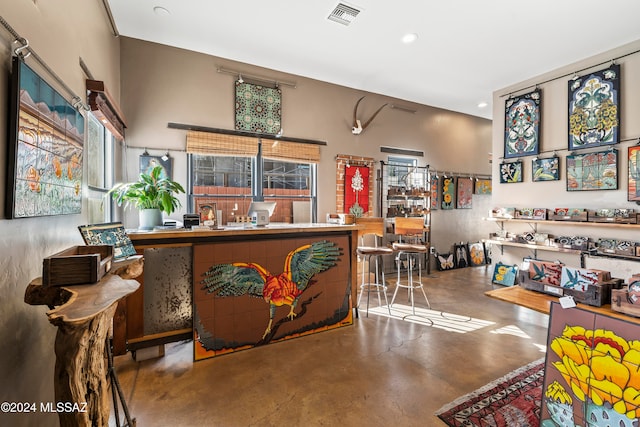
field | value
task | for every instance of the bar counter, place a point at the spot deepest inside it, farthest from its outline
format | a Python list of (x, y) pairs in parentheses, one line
[(172, 303)]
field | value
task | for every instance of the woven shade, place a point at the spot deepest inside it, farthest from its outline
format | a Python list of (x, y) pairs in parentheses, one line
[(290, 151), (217, 144)]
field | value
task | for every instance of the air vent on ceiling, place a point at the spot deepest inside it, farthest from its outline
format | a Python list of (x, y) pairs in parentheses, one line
[(343, 14)]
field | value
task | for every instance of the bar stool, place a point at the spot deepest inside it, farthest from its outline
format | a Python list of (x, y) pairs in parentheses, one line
[(372, 227), (412, 230)]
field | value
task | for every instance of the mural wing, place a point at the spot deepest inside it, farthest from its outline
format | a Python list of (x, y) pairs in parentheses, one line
[(235, 279), (306, 261)]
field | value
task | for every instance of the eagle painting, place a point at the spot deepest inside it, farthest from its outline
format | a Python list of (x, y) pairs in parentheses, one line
[(300, 265)]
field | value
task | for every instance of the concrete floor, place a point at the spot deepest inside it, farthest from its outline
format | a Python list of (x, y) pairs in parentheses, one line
[(379, 372)]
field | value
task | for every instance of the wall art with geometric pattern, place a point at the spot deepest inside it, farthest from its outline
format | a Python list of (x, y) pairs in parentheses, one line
[(258, 108)]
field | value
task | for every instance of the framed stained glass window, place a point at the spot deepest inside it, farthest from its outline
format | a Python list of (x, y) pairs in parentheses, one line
[(594, 109), (522, 125), (511, 172), (634, 174), (258, 108), (593, 171), (545, 169)]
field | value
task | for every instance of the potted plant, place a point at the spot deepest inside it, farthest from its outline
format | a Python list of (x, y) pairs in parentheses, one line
[(151, 194)]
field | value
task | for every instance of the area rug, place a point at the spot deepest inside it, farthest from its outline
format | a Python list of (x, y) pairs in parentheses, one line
[(511, 401)]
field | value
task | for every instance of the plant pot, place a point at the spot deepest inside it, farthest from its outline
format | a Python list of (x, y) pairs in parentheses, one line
[(149, 218)]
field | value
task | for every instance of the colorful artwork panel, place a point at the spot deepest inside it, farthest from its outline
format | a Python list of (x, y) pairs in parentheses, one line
[(590, 370), (112, 234), (448, 193), (435, 193), (545, 169), (445, 261), (258, 108), (235, 307), (356, 190), (594, 109), (461, 255), (633, 190), (511, 172), (464, 193), (483, 186), (593, 171), (522, 125), (504, 274), (46, 145), (477, 254), (147, 163)]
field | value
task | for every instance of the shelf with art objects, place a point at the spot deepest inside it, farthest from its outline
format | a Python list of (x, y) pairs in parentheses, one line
[(152, 194)]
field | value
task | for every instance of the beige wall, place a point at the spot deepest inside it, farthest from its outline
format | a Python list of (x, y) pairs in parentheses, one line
[(554, 137), (161, 84), (60, 32)]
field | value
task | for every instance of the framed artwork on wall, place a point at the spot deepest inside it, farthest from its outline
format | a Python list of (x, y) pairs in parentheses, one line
[(448, 193), (435, 192), (592, 171), (258, 108), (356, 190), (464, 193), (594, 109), (46, 148), (511, 172), (522, 125), (482, 186), (633, 189), (545, 169), (147, 163)]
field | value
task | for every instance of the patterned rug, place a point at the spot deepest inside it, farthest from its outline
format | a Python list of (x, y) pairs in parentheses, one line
[(511, 401)]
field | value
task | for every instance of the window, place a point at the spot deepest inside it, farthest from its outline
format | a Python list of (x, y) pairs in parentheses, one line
[(232, 182), (99, 159)]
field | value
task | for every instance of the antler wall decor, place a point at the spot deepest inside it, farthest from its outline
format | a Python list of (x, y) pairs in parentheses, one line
[(358, 127)]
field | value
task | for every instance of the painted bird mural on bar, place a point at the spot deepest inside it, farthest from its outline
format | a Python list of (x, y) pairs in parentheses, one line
[(246, 278)]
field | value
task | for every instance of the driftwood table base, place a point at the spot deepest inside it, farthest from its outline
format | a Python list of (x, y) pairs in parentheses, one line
[(84, 318)]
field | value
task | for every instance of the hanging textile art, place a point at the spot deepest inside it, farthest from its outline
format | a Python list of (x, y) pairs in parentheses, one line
[(356, 190), (594, 109), (522, 125), (593, 171), (258, 108)]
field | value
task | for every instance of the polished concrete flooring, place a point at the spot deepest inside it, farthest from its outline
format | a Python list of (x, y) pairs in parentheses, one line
[(379, 372)]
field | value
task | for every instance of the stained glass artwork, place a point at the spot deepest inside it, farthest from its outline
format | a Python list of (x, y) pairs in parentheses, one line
[(258, 108), (522, 125), (464, 196), (592, 171), (594, 109), (448, 193), (545, 169), (634, 174), (483, 186), (511, 172), (45, 149)]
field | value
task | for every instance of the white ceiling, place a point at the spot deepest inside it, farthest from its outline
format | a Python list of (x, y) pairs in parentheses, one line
[(466, 49)]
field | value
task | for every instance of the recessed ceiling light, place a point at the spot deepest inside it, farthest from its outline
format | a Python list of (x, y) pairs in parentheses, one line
[(161, 11), (482, 104), (409, 38)]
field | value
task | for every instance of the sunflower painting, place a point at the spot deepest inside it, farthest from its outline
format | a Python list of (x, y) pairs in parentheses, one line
[(592, 374), (448, 193)]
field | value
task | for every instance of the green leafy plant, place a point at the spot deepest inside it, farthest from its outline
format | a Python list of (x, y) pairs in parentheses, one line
[(151, 191)]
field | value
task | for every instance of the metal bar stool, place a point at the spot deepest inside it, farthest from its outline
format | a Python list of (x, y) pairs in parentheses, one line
[(372, 227), (410, 228)]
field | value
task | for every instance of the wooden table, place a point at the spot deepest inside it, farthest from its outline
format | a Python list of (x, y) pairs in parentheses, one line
[(83, 317), (542, 302)]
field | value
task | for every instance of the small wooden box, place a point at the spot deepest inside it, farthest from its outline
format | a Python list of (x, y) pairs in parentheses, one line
[(77, 265), (620, 302)]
